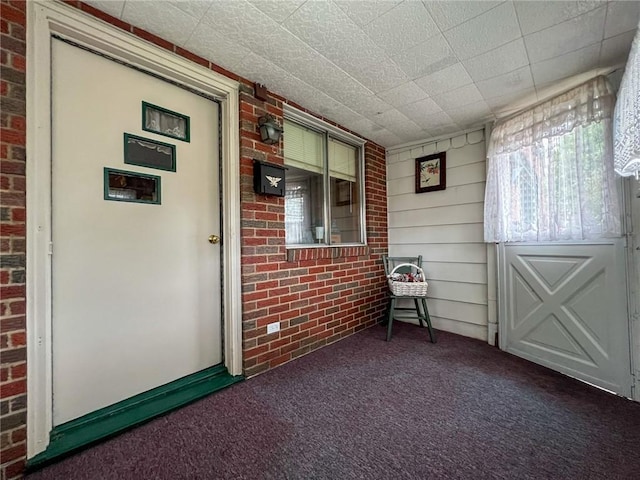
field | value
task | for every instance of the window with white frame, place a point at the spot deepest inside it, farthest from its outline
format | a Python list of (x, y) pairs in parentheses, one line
[(324, 190)]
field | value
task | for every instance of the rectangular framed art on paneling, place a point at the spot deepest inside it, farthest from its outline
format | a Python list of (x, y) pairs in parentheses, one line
[(165, 122), (431, 173), (146, 152)]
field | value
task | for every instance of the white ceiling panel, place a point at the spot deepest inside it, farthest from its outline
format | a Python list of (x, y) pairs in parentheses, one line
[(458, 97), (217, 47), (327, 29), (567, 36), (534, 16), (445, 80), (621, 17), (379, 76), (160, 17), (484, 32), (426, 58), (278, 10), (112, 7), (471, 114), (196, 8), (404, 26), (403, 94), (449, 14), (507, 104), (504, 59), (365, 12), (417, 67), (566, 65), (615, 50), (420, 111), (506, 84)]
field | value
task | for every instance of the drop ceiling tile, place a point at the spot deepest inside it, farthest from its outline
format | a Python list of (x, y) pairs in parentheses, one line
[(112, 7), (278, 10), (367, 106), (615, 50), (506, 84), (449, 14), (386, 138), (161, 19), (471, 114), (567, 36), (566, 65), (621, 17), (534, 17), (406, 130), (445, 80), (418, 111), (327, 29), (484, 32), (458, 97), (233, 18), (514, 102), (380, 76), (196, 9), (426, 58), (504, 59), (389, 118), (429, 119), (364, 12), (402, 27), (210, 43), (403, 94)]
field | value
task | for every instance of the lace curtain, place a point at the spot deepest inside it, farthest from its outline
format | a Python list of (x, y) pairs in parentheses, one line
[(550, 174), (626, 152)]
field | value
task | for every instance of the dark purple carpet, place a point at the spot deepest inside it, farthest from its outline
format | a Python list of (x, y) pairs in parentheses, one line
[(366, 409)]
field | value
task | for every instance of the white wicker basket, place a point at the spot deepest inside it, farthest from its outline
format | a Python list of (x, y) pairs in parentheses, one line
[(408, 289)]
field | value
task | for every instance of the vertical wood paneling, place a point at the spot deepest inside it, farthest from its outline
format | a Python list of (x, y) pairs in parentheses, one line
[(445, 227)]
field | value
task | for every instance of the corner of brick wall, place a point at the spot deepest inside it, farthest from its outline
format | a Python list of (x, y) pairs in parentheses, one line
[(13, 366), (318, 296)]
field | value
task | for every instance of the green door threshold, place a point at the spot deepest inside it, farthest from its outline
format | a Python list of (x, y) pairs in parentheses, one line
[(116, 418)]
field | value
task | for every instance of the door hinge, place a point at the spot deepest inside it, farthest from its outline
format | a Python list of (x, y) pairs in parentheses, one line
[(50, 252)]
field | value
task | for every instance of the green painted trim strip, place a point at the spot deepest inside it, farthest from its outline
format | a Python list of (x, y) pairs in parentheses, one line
[(131, 412)]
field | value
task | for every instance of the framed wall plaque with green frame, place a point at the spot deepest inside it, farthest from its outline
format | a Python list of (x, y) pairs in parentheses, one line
[(146, 152), (165, 122), (125, 186)]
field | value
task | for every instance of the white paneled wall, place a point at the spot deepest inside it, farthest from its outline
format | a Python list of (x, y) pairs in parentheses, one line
[(446, 228)]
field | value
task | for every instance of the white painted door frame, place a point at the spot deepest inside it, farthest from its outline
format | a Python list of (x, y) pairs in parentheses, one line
[(48, 18)]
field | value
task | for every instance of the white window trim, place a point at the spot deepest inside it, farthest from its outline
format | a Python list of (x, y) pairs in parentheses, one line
[(43, 20), (305, 119)]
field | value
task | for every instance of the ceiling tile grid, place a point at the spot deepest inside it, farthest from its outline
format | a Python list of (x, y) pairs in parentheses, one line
[(397, 71)]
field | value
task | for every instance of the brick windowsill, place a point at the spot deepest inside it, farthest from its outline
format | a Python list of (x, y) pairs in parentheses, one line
[(316, 253)]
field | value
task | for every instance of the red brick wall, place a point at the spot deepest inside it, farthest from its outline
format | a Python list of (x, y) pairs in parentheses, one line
[(13, 366), (318, 295)]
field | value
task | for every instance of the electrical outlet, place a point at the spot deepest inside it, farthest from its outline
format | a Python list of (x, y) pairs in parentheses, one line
[(273, 327)]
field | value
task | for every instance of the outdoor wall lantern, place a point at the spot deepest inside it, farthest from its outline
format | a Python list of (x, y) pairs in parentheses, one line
[(270, 131)]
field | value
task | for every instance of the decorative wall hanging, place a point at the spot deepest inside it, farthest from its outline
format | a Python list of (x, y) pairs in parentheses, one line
[(165, 122), (123, 186), (146, 152), (268, 179), (431, 172)]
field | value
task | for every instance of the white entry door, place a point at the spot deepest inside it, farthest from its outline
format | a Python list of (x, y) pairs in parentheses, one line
[(136, 286), (565, 306)]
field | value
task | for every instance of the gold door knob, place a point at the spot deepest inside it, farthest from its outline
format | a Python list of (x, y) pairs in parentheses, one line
[(214, 239)]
